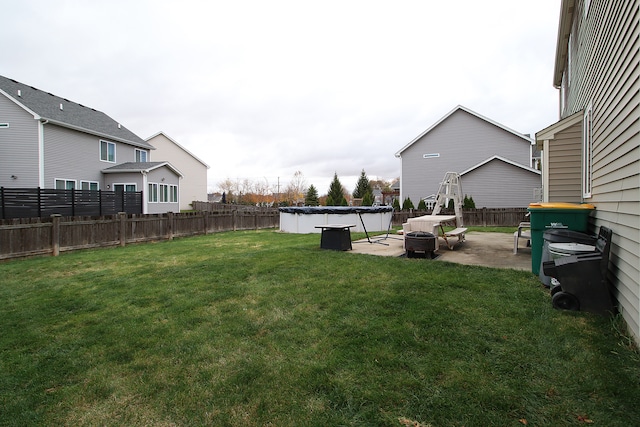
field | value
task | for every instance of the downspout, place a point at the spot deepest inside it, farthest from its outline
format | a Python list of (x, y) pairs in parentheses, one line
[(145, 196), (41, 124)]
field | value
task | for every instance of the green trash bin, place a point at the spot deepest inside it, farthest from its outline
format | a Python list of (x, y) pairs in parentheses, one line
[(546, 216)]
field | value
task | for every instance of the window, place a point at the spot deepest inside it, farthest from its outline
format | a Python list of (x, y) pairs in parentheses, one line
[(124, 187), (4, 125), (153, 193), (173, 193), (107, 151), (89, 185), (65, 184), (587, 140), (141, 156), (164, 193)]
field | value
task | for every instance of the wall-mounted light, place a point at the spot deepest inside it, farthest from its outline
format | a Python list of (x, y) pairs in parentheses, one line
[(162, 180), (108, 186), (14, 177)]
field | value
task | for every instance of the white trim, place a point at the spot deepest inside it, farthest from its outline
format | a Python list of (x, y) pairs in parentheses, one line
[(587, 152), (473, 113), (146, 170), (502, 159)]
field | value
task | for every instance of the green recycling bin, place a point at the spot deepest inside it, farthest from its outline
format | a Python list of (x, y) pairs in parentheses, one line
[(546, 216)]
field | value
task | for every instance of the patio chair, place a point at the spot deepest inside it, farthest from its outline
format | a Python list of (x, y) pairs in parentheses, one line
[(524, 232)]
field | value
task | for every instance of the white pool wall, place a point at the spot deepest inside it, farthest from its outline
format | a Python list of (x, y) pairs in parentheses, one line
[(303, 221)]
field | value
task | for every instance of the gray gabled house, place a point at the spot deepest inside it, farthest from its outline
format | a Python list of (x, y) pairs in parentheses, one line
[(495, 162), (51, 142)]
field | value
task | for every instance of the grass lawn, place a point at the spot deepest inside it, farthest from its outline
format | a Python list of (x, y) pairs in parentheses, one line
[(266, 329)]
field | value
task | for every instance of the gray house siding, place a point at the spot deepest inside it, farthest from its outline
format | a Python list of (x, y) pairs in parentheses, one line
[(501, 185), (162, 176), (598, 65), (75, 155), (19, 151), (565, 176), (460, 141)]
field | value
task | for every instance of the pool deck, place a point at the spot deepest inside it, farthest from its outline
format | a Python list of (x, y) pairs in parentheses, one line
[(484, 249)]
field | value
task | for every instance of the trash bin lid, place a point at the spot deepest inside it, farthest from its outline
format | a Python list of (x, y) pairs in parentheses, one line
[(571, 248), (419, 234), (562, 235), (561, 205)]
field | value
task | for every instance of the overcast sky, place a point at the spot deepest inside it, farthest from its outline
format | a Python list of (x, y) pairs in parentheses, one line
[(261, 89)]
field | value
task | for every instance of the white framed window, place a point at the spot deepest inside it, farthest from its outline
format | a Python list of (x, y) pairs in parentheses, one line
[(89, 185), (164, 193), (153, 193), (125, 187), (65, 184), (587, 142), (173, 193), (107, 151), (142, 155)]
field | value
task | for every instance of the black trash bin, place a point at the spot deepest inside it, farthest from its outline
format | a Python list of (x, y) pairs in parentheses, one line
[(561, 235), (583, 279), (419, 244)]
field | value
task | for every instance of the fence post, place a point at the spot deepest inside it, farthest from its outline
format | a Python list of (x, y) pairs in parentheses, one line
[(484, 217), (170, 225), (205, 221), (55, 234), (123, 228), (234, 217)]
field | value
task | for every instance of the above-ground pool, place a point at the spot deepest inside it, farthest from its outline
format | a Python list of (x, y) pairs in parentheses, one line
[(304, 220)]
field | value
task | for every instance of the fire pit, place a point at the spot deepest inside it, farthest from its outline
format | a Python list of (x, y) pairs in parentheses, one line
[(420, 244)]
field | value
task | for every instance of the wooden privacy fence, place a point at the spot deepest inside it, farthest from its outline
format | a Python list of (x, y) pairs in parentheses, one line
[(485, 217), (37, 236)]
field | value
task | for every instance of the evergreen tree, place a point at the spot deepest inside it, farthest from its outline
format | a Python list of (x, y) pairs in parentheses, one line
[(363, 187), (396, 204), (311, 198), (224, 198), (335, 197), (422, 206), (407, 204), (367, 200), (468, 203)]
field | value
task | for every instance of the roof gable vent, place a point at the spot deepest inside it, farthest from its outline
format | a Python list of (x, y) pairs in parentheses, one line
[(19, 92), (61, 107)]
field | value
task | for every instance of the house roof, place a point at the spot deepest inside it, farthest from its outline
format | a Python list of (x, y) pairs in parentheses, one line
[(550, 131), (145, 167), (178, 145), (53, 109), (462, 108), (502, 159)]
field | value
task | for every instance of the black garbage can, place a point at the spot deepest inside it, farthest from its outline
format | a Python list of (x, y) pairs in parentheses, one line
[(561, 235), (583, 279), (419, 244)]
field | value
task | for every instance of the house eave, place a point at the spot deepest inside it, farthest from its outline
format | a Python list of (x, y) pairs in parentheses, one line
[(564, 30), (549, 133), (146, 146), (178, 145), (502, 159)]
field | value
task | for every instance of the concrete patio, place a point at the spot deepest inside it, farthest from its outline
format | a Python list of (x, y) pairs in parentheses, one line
[(484, 249)]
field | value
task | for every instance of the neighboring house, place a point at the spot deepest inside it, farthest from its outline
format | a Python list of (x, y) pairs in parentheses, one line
[(50, 142), (193, 186), (495, 162), (592, 154)]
